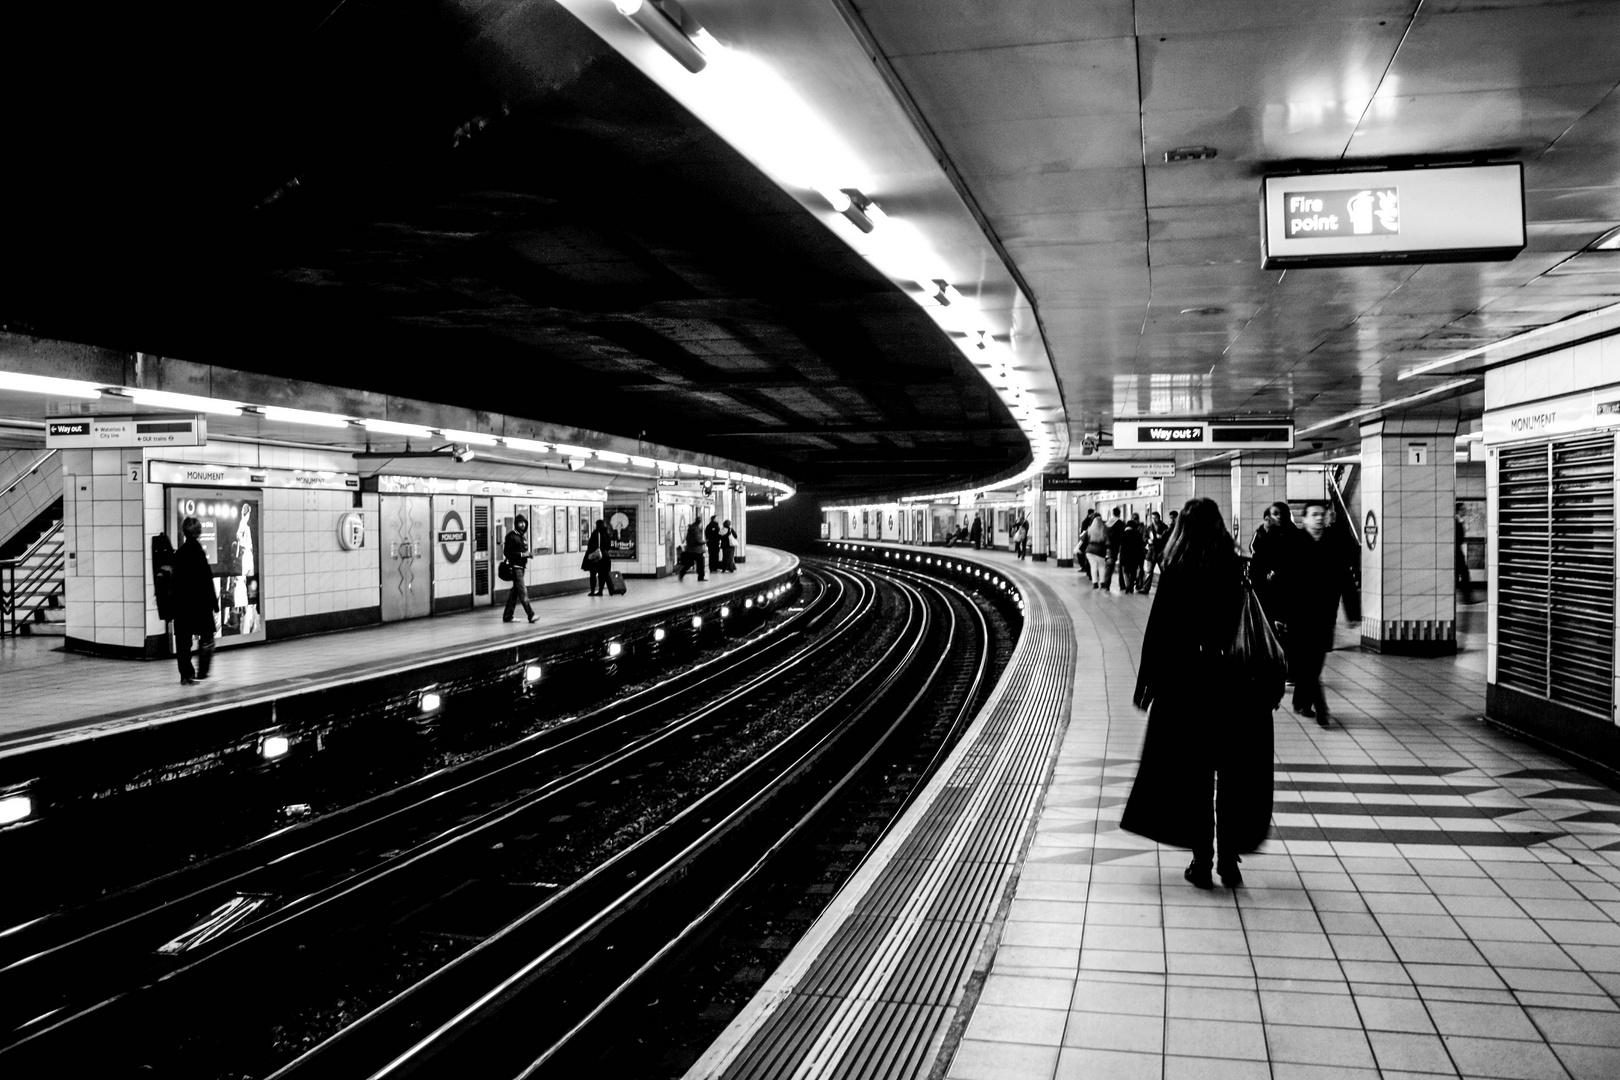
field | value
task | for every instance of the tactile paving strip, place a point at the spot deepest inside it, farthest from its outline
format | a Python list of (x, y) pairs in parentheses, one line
[(872, 991)]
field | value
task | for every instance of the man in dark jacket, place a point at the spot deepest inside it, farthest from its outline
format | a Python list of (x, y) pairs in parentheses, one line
[(711, 536), (1116, 546), (1315, 578), (516, 554), (1133, 549), (692, 552), (195, 602), (976, 532)]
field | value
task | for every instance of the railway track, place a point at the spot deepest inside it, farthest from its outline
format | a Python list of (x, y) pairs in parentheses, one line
[(433, 924)]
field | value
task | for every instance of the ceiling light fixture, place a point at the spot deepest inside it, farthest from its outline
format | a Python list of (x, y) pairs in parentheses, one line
[(575, 464), (476, 438), (1609, 241), (45, 384), (862, 212), (528, 445), (392, 427), (668, 24), (164, 399), (573, 451), (304, 416)]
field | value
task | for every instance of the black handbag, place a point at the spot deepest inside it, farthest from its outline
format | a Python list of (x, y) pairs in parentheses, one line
[(504, 571), (1257, 654)]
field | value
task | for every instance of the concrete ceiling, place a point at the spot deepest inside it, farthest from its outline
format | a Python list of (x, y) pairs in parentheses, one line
[(491, 202)]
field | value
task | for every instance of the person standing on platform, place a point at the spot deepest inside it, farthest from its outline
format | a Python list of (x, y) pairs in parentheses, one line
[(1097, 551), (728, 548), (195, 604), (711, 536), (596, 558), (1116, 543), (1316, 578), (1459, 556), (1205, 729), (976, 532), (516, 553), (692, 552)]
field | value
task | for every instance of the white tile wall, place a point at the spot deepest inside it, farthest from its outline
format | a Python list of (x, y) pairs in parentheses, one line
[(1408, 576)]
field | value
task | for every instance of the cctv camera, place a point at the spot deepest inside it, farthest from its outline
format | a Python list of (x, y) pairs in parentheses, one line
[(462, 453)]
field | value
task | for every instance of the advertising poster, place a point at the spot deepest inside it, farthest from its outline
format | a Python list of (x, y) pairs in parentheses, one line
[(621, 526), (568, 518), (231, 531), (587, 522), (542, 532)]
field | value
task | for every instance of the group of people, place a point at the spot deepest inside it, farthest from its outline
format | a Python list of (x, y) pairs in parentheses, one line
[(1133, 549), (1205, 778), (720, 539), (515, 553), (975, 534)]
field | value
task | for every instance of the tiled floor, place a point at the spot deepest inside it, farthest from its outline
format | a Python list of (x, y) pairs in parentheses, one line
[(44, 689), (1438, 899)]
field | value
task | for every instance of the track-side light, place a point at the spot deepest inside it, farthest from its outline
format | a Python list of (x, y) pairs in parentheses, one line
[(725, 611), (531, 674), (15, 808), (614, 649), (274, 746), (431, 701), (697, 622), (658, 633), (749, 603)]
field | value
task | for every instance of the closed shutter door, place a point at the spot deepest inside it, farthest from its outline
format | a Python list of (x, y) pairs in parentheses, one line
[(1556, 572), (1581, 581)]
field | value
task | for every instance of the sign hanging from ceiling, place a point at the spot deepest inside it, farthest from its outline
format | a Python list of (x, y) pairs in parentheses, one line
[(1088, 470), (1059, 482), (1465, 213), (1151, 434), (111, 432)]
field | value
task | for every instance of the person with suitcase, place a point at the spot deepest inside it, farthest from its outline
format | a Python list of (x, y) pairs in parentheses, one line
[(596, 557), (728, 551)]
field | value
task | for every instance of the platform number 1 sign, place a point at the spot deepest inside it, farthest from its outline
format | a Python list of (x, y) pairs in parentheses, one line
[(1417, 453)]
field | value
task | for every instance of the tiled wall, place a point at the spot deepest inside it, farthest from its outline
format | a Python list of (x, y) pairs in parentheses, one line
[(108, 580), (37, 489), (1250, 497), (304, 571), (1408, 592), (1580, 367)]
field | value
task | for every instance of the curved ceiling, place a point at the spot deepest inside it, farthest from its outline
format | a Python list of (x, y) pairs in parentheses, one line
[(483, 205)]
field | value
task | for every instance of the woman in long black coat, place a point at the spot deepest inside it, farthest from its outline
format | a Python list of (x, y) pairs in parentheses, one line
[(596, 558), (1204, 729)]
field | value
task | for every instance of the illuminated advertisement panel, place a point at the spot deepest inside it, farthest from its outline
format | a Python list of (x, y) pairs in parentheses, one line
[(1464, 213)]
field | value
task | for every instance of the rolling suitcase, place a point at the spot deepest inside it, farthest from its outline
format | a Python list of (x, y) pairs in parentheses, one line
[(615, 583)]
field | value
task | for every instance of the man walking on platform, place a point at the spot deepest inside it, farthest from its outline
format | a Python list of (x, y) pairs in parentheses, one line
[(692, 552), (1312, 582), (195, 603), (1272, 546), (1116, 545)]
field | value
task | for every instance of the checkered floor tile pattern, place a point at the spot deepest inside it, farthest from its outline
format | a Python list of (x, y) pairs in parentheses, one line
[(1438, 899)]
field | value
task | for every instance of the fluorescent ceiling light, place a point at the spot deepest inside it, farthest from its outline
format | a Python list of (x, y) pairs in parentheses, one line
[(477, 438), (573, 451), (45, 384), (669, 37), (667, 466), (614, 456), (529, 445), (1455, 384), (643, 462), (689, 468), (704, 470), (390, 427), (163, 399), (1609, 241), (304, 416)]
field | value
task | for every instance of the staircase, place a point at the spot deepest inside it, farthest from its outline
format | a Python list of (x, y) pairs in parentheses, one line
[(31, 587)]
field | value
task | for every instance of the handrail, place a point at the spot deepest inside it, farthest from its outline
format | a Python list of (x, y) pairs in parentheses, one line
[(1344, 507), (26, 473), (44, 571)]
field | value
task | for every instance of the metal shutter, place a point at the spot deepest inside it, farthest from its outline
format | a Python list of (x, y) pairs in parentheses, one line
[(1556, 572)]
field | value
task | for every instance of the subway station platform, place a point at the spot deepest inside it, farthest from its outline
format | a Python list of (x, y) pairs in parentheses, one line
[(1438, 898), (52, 696)]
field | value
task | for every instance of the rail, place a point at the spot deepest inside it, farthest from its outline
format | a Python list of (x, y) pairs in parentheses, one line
[(14, 595), (26, 473)]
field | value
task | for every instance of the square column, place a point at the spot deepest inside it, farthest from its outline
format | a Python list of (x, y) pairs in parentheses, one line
[(1213, 482), (1258, 480), (1177, 490), (1408, 499)]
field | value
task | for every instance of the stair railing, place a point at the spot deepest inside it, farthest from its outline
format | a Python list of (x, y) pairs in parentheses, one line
[(1344, 507), (26, 473), (17, 595)]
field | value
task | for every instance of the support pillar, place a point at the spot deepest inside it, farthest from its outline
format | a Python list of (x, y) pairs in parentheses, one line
[(1258, 480), (1214, 482), (1066, 511), (1177, 490), (1408, 497), (1040, 537)]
